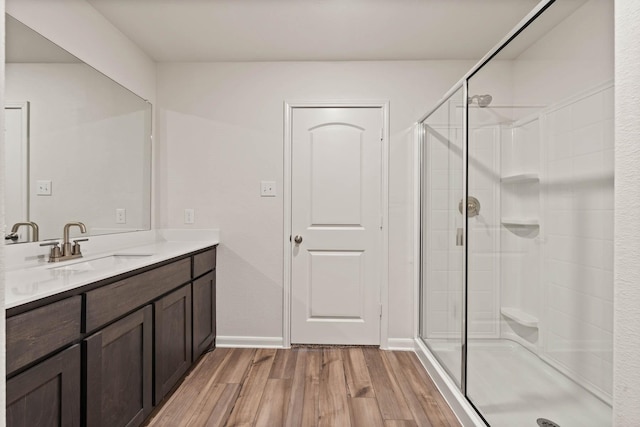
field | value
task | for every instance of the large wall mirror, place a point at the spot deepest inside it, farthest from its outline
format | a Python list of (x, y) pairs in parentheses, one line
[(78, 144)]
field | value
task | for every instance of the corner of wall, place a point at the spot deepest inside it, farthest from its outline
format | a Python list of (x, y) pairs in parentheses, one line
[(626, 364), (3, 392)]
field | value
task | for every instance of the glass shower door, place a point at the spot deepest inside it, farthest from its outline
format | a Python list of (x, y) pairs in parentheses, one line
[(442, 236)]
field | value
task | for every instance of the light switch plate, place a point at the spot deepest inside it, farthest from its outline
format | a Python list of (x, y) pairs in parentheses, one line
[(267, 189), (44, 187)]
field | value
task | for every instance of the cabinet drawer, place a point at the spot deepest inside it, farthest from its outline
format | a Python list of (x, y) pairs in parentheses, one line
[(203, 262), (111, 301), (38, 332)]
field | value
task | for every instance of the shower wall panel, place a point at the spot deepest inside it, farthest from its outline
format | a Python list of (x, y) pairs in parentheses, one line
[(520, 235), (443, 262), (578, 254), (484, 233)]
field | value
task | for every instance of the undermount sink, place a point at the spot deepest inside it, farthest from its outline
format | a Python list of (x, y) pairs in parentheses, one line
[(106, 262)]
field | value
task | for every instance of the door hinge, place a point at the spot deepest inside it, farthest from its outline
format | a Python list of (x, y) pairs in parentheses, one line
[(380, 310), (381, 222), (381, 134)]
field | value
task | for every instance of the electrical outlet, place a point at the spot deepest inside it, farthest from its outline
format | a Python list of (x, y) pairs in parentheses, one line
[(121, 216), (267, 189), (44, 187), (189, 216)]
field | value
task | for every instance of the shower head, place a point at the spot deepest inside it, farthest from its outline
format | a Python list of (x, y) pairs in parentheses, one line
[(483, 100)]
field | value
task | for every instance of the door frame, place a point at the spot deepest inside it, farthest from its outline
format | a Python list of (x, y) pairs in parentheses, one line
[(24, 108), (289, 106)]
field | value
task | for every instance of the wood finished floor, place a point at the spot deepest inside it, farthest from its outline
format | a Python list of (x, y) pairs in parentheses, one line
[(329, 387)]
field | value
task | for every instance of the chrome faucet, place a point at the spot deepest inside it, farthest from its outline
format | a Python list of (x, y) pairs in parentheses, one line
[(68, 251), (35, 235)]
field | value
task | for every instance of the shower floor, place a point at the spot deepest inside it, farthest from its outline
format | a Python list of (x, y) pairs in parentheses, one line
[(511, 386)]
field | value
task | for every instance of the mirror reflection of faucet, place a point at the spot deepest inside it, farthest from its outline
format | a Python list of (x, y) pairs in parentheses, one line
[(68, 251), (14, 236)]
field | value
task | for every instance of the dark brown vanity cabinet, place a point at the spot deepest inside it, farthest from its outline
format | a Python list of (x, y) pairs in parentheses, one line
[(48, 394), (173, 340), (106, 353)]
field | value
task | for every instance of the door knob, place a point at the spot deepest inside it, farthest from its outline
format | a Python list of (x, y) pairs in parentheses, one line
[(298, 239)]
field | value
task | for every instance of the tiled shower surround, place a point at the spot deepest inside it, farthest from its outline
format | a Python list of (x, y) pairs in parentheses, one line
[(577, 301), (542, 245)]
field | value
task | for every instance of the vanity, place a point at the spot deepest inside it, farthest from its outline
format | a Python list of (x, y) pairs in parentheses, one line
[(102, 335), (102, 340)]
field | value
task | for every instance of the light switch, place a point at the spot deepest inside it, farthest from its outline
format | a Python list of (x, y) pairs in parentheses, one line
[(44, 187), (267, 189)]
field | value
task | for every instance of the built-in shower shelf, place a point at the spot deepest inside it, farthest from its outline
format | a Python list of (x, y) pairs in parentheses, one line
[(519, 316), (520, 178), (526, 222)]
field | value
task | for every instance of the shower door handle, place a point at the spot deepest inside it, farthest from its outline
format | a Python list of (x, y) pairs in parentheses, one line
[(459, 237)]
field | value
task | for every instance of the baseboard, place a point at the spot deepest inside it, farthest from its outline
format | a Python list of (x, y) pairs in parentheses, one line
[(401, 344), (249, 342), (466, 414)]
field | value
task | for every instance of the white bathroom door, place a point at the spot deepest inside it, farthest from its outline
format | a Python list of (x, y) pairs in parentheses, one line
[(336, 193)]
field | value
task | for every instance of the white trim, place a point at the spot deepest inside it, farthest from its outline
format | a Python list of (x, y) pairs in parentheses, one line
[(461, 407), (286, 227), (417, 223), (23, 106), (401, 344), (249, 342), (384, 273), (576, 97)]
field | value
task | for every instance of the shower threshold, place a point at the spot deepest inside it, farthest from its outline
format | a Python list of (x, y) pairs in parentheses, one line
[(511, 386)]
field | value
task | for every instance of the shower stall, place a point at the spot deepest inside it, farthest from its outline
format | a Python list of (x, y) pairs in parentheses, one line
[(516, 224)]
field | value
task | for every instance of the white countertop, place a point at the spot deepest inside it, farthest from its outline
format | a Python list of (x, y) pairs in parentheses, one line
[(28, 277)]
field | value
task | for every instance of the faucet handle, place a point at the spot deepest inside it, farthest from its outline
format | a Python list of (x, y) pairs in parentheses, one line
[(76, 246), (55, 250), (52, 243)]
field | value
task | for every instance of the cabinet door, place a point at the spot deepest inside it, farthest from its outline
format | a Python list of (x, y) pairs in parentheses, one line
[(172, 324), (118, 372), (204, 313), (47, 394)]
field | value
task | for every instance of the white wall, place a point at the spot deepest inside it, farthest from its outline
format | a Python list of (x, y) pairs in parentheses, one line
[(88, 135), (572, 57), (78, 28), (626, 380), (221, 132)]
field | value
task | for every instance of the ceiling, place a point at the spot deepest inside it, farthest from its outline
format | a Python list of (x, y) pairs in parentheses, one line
[(314, 30)]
